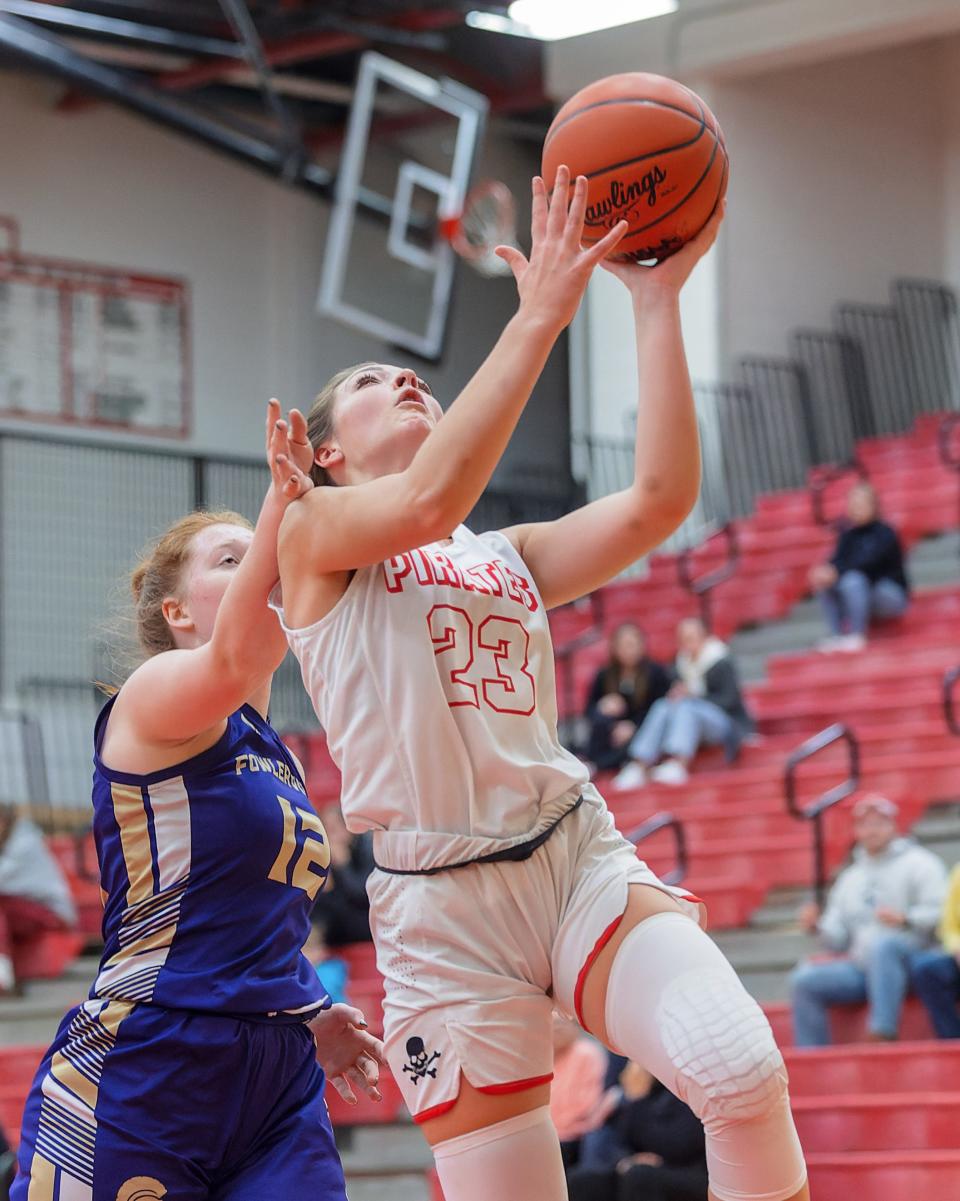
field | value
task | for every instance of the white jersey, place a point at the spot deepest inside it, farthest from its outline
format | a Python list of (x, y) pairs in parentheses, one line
[(433, 678)]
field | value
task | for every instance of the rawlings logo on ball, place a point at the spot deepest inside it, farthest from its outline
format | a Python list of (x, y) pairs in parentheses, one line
[(624, 198)]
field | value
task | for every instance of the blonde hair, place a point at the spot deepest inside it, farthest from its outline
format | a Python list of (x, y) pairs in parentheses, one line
[(320, 418), (159, 574)]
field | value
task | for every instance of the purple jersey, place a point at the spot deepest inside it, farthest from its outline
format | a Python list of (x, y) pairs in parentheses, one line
[(209, 870)]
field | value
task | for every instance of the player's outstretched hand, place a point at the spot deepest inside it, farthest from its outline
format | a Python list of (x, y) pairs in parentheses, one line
[(552, 281), (671, 274), (350, 1056), (285, 453)]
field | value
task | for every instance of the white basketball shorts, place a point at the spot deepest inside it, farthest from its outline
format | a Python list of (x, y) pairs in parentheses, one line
[(475, 959)]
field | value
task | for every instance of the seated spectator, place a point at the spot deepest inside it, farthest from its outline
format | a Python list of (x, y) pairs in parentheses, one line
[(34, 894), (651, 1148), (881, 911), (576, 1094), (332, 971), (621, 696), (865, 577), (936, 973), (703, 707), (342, 907)]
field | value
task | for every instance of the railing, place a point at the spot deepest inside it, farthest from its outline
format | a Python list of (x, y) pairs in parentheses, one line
[(949, 700), (815, 810), (702, 586), (653, 825), (564, 657)]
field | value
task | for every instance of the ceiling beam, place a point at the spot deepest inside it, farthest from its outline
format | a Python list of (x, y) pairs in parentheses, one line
[(307, 46)]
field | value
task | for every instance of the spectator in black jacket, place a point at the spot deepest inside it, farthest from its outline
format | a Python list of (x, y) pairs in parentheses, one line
[(623, 691), (704, 706), (342, 907), (865, 577), (650, 1149)]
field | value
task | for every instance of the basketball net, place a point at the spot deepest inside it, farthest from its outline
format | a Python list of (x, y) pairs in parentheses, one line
[(488, 220)]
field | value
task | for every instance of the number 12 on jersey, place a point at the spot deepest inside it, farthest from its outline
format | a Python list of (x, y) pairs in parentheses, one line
[(311, 849), (486, 664)]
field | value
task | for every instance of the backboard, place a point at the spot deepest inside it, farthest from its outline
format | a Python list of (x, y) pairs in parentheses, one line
[(406, 162)]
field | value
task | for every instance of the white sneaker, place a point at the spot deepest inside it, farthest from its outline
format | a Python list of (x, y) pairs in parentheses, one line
[(827, 646), (852, 643), (632, 775), (671, 771), (6, 974)]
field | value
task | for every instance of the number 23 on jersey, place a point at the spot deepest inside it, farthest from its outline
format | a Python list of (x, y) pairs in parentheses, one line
[(485, 664)]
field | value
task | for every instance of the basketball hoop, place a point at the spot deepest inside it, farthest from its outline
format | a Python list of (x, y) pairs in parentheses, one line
[(488, 220)]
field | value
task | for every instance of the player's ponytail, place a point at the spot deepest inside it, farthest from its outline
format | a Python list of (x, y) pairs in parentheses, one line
[(320, 419)]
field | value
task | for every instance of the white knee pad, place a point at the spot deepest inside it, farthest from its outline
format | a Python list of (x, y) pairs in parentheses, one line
[(675, 1005), (517, 1158)]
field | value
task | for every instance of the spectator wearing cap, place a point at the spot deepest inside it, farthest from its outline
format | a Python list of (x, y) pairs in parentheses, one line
[(865, 578), (936, 973), (881, 912)]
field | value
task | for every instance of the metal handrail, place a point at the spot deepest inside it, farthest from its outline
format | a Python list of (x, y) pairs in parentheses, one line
[(702, 586), (816, 809), (563, 656), (821, 479), (653, 825), (949, 700)]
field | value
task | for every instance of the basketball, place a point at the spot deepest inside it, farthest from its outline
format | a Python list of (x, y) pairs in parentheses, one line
[(653, 155)]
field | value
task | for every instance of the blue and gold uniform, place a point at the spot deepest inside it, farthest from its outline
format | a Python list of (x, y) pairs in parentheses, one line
[(190, 1072)]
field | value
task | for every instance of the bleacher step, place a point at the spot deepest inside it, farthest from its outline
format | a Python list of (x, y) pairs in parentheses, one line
[(406, 1187), (399, 1148)]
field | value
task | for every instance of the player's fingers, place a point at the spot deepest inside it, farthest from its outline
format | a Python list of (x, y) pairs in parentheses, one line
[(538, 213), (609, 242), (515, 260), (559, 202), (273, 412), (342, 1086), (360, 1082), (350, 1013), (370, 1045), (298, 426), (577, 211), (369, 1067)]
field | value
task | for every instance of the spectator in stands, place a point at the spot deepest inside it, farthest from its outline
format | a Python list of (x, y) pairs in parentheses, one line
[(34, 894), (342, 907), (332, 971), (881, 911), (623, 691), (651, 1148), (865, 577), (936, 973), (577, 1091), (704, 706)]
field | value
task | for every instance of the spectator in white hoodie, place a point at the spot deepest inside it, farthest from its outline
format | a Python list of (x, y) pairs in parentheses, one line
[(34, 894), (881, 913)]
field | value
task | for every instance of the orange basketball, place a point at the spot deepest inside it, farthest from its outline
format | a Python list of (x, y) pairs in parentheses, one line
[(653, 154)]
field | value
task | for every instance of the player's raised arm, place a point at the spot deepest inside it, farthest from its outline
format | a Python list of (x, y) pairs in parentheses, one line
[(178, 694), (609, 534), (338, 529)]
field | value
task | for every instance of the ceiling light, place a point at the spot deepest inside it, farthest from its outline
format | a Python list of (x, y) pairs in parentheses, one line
[(550, 20)]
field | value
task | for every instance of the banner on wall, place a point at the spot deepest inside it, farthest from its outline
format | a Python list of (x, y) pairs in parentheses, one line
[(92, 346)]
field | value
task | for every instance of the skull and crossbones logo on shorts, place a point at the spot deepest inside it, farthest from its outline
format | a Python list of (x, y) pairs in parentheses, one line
[(420, 1060)]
